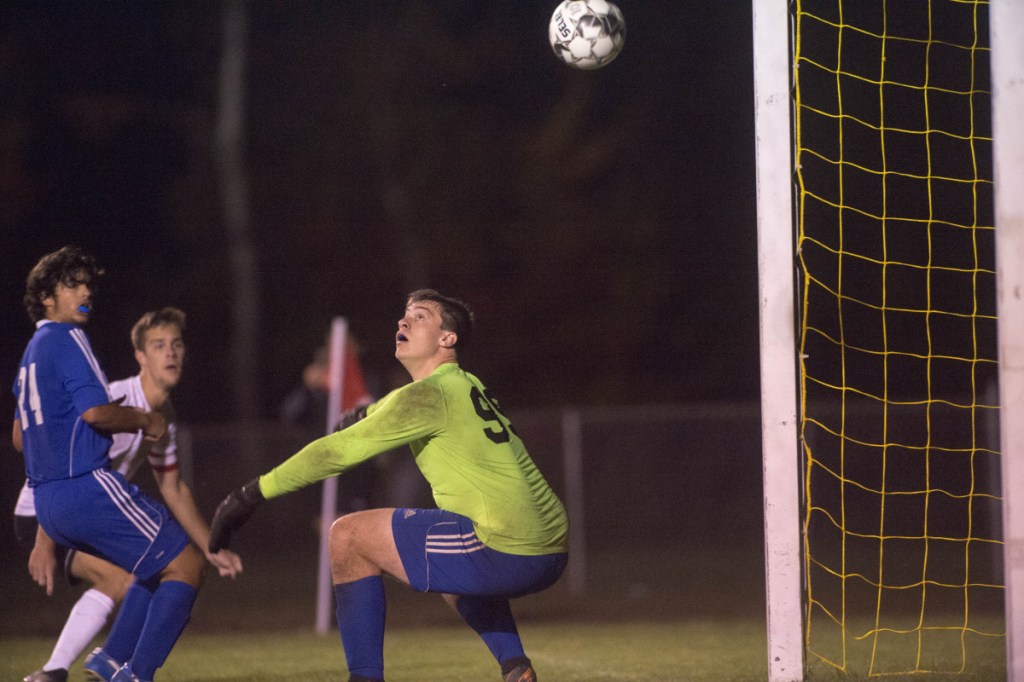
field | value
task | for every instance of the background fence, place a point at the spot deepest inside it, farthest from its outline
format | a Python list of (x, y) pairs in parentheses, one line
[(671, 500)]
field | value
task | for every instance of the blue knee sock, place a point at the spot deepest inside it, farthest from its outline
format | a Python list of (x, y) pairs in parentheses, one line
[(362, 606), (169, 612), (491, 618), (124, 633)]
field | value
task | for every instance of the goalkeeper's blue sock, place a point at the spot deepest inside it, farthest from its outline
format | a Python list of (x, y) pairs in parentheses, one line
[(169, 613), (124, 633), (491, 618), (361, 608)]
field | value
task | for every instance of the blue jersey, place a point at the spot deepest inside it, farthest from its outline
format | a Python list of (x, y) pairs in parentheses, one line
[(58, 380), (102, 514)]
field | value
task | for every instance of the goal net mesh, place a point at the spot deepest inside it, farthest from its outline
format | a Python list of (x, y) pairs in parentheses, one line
[(897, 335)]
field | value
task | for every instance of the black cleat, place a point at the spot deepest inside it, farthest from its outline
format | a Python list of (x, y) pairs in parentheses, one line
[(58, 675), (518, 670)]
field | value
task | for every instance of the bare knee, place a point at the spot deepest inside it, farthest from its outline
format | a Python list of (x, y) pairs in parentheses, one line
[(353, 550), (342, 546), (104, 576), (342, 536), (114, 584), (362, 545)]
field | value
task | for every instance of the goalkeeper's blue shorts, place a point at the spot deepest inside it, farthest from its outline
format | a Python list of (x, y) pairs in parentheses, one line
[(102, 514), (441, 553)]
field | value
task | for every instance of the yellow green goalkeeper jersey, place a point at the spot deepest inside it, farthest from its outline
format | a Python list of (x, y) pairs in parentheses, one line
[(465, 448)]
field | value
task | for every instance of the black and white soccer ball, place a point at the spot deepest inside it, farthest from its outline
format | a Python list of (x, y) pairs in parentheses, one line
[(587, 34)]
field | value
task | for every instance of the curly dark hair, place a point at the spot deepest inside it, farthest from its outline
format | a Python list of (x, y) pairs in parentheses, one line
[(456, 316), (70, 266)]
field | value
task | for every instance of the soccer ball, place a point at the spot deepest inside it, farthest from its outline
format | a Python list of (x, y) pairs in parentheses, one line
[(587, 34)]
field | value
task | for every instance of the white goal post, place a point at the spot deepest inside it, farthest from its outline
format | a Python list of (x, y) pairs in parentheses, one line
[(775, 260), (1006, 19), (772, 70)]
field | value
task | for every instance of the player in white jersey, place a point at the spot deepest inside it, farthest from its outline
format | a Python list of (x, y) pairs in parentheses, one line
[(160, 352)]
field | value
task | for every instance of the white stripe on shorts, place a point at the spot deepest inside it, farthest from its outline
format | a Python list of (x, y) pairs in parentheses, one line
[(147, 526), (453, 543)]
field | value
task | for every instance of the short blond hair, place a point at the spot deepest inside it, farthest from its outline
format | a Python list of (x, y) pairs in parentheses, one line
[(156, 318)]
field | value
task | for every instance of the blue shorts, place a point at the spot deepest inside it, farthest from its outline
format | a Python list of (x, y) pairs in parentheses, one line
[(441, 553), (102, 514)]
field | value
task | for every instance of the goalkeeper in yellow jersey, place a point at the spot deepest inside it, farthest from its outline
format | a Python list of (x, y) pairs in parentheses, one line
[(499, 530)]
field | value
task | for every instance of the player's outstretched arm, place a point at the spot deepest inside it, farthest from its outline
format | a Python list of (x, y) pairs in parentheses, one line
[(115, 418), (178, 497), (232, 513)]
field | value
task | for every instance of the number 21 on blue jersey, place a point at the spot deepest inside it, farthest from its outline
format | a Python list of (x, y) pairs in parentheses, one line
[(27, 382)]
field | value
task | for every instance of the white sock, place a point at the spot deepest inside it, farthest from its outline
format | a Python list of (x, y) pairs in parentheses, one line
[(87, 618)]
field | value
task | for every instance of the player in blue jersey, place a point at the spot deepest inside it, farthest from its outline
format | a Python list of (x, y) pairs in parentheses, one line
[(158, 340), (64, 423)]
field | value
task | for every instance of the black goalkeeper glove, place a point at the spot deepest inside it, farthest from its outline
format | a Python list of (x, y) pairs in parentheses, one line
[(350, 417), (232, 513)]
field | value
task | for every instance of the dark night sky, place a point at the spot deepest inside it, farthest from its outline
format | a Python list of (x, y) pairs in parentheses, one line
[(601, 223)]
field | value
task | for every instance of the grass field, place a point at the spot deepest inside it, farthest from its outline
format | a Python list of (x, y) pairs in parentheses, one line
[(564, 651), (643, 625), (651, 617), (561, 651)]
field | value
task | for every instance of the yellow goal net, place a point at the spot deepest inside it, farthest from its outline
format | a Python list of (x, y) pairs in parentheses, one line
[(897, 335)]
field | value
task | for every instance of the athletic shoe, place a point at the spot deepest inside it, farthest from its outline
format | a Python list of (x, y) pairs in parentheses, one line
[(520, 673), (99, 667), (59, 675), (125, 674)]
